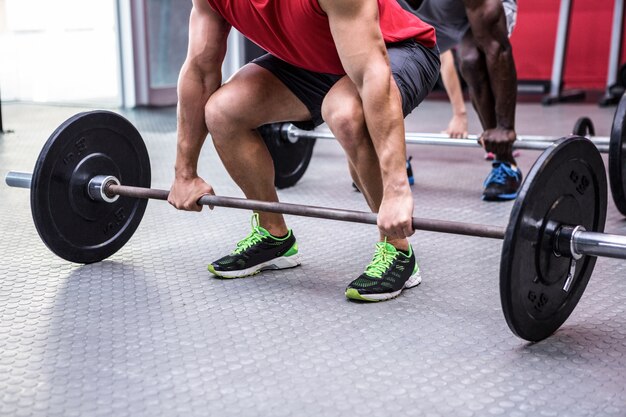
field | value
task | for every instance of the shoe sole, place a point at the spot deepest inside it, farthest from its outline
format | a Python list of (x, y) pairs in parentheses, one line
[(284, 262), (413, 281), (490, 156), (500, 197)]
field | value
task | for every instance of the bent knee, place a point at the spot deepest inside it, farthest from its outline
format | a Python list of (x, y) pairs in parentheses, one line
[(472, 65), (470, 57), (347, 123), (223, 116)]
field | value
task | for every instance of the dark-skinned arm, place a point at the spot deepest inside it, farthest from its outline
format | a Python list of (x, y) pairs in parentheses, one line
[(489, 32)]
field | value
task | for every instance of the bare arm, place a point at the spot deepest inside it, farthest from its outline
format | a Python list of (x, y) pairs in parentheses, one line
[(457, 128), (488, 25), (355, 28), (199, 77)]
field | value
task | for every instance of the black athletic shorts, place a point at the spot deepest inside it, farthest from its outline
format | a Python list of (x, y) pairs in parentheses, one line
[(414, 67)]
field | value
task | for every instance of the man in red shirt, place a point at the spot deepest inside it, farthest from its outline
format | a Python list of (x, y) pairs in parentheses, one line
[(329, 60)]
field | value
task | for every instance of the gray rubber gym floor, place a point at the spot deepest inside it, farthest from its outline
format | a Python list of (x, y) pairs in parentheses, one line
[(149, 332)]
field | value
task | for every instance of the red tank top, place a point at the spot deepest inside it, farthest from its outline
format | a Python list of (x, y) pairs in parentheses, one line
[(297, 31)]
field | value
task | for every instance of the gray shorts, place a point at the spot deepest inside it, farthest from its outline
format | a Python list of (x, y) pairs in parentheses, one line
[(510, 11), (414, 67), (449, 19)]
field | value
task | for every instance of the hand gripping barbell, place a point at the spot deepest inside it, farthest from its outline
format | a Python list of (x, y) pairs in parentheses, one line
[(293, 148), (89, 190)]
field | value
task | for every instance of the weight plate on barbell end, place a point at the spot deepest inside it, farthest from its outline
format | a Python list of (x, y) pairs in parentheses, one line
[(566, 186), (291, 158), (584, 127), (70, 223), (617, 157)]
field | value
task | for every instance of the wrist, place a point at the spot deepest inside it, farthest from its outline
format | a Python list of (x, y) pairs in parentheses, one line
[(397, 186), (185, 173), (505, 126)]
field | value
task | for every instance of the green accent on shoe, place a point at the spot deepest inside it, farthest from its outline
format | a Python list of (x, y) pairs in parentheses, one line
[(293, 250), (353, 294), (278, 239), (255, 236), (223, 275), (386, 276), (259, 251), (384, 256)]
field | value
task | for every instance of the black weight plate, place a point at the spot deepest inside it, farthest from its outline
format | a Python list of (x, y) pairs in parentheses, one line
[(72, 225), (617, 157), (621, 78), (566, 186), (291, 159), (584, 127)]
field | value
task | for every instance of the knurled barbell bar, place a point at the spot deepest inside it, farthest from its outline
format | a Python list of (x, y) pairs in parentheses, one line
[(293, 154), (89, 190)]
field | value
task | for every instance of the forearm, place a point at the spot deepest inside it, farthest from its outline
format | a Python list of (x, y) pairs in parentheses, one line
[(503, 83), (194, 89), (382, 108), (355, 28), (452, 84), (490, 34)]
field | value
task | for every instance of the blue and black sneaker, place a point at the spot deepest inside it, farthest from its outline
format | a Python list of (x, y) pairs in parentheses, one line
[(502, 183)]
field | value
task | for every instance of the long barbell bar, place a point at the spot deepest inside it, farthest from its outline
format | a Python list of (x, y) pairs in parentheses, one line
[(579, 242), (538, 143)]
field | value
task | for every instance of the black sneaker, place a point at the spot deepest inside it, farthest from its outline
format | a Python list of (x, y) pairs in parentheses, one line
[(257, 252), (386, 276), (503, 182)]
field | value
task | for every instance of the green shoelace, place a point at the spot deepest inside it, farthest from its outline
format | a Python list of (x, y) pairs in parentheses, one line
[(383, 258), (255, 236)]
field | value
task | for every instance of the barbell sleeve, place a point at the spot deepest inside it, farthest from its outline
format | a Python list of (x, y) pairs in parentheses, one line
[(18, 179), (599, 244), (292, 133)]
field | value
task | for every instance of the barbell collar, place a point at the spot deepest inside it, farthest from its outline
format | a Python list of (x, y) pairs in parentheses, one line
[(564, 242), (432, 225), (96, 188)]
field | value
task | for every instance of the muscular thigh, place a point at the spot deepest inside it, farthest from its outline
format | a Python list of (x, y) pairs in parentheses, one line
[(253, 97)]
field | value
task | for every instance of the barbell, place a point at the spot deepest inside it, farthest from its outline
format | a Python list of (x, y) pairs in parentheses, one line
[(294, 148), (90, 187)]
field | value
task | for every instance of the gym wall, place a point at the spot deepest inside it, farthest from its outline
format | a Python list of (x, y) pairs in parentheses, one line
[(588, 46)]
